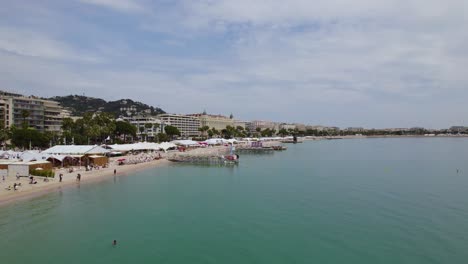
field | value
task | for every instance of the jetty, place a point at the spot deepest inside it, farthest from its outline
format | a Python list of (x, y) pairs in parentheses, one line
[(220, 155)]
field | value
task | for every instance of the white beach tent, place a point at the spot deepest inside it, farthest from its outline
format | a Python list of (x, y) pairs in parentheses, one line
[(186, 143), (10, 154), (28, 156), (135, 146), (76, 150), (231, 141), (167, 145), (215, 141)]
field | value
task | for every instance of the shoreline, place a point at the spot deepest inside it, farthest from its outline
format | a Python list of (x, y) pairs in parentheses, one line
[(311, 138), (30, 191)]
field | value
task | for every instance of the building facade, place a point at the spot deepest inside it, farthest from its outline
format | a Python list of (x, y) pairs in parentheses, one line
[(43, 115), (219, 122), (148, 127), (287, 126), (253, 125), (187, 125)]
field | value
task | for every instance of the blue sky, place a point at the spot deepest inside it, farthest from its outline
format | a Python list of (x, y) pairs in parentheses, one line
[(345, 63)]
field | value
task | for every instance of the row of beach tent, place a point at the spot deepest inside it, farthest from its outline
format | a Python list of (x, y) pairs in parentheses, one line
[(60, 152)]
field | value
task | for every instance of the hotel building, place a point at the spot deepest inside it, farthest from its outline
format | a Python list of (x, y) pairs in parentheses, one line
[(187, 125), (43, 115)]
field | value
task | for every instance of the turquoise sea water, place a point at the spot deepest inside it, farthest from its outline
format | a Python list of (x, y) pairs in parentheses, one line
[(340, 201)]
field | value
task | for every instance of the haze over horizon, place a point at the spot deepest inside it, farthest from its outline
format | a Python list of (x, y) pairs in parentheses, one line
[(340, 63)]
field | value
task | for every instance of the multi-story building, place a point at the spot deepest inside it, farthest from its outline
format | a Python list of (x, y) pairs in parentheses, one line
[(187, 125), (239, 123), (219, 122), (287, 126), (43, 115), (147, 126), (253, 125), (355, 129)]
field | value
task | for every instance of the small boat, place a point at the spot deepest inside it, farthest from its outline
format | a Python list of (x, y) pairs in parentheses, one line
[(231, 157), (279, 148)]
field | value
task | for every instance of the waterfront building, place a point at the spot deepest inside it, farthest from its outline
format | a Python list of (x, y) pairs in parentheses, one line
[(300, 127), (148, 127), (253, 125), (355, 129), (318, 128), (43, 115), (219, 122), (287, 126), (458, 129), (187, 125), (239, 123)]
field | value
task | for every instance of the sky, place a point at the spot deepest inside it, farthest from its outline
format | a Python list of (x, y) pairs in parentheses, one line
[(360, 63)]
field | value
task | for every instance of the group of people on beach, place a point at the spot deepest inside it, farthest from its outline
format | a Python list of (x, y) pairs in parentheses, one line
[(15, 186), (135, 159)]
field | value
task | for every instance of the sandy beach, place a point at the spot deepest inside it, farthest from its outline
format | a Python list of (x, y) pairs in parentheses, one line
[(28, 191)]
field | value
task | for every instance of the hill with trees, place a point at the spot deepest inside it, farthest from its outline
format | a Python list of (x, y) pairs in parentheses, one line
[(79, 105)]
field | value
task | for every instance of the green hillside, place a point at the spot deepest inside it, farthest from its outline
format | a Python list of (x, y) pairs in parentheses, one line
[(79, 105)]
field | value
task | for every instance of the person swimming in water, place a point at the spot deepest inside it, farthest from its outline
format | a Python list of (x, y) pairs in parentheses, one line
[(114, 243)]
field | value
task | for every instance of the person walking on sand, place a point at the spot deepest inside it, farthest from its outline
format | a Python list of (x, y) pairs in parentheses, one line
[(78, 177), (115, 171), (60, 177)]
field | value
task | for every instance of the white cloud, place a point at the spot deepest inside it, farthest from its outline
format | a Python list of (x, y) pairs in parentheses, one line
[(34, 44), (119, 5), (299, 56)]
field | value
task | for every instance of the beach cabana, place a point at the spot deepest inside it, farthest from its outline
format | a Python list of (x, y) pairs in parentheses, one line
[(65, 160), (22, 168), (98, 160)]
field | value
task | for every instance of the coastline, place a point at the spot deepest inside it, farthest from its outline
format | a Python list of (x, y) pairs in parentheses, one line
[(28, 191)]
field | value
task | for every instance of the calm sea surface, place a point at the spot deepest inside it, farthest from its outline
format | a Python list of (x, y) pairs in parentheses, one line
[(341, 201)]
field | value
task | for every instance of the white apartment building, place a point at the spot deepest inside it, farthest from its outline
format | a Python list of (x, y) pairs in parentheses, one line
[(148, 127), (187, 125), (43, 115)]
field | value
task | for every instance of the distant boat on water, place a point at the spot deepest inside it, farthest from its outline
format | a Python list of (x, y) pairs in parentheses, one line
[(293, 139)]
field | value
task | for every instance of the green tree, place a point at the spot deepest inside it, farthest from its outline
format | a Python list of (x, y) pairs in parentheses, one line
[(210, 133), (25, 137), (172, 131), (123, 128), (162, 137), (4, 133), (283, 132)]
